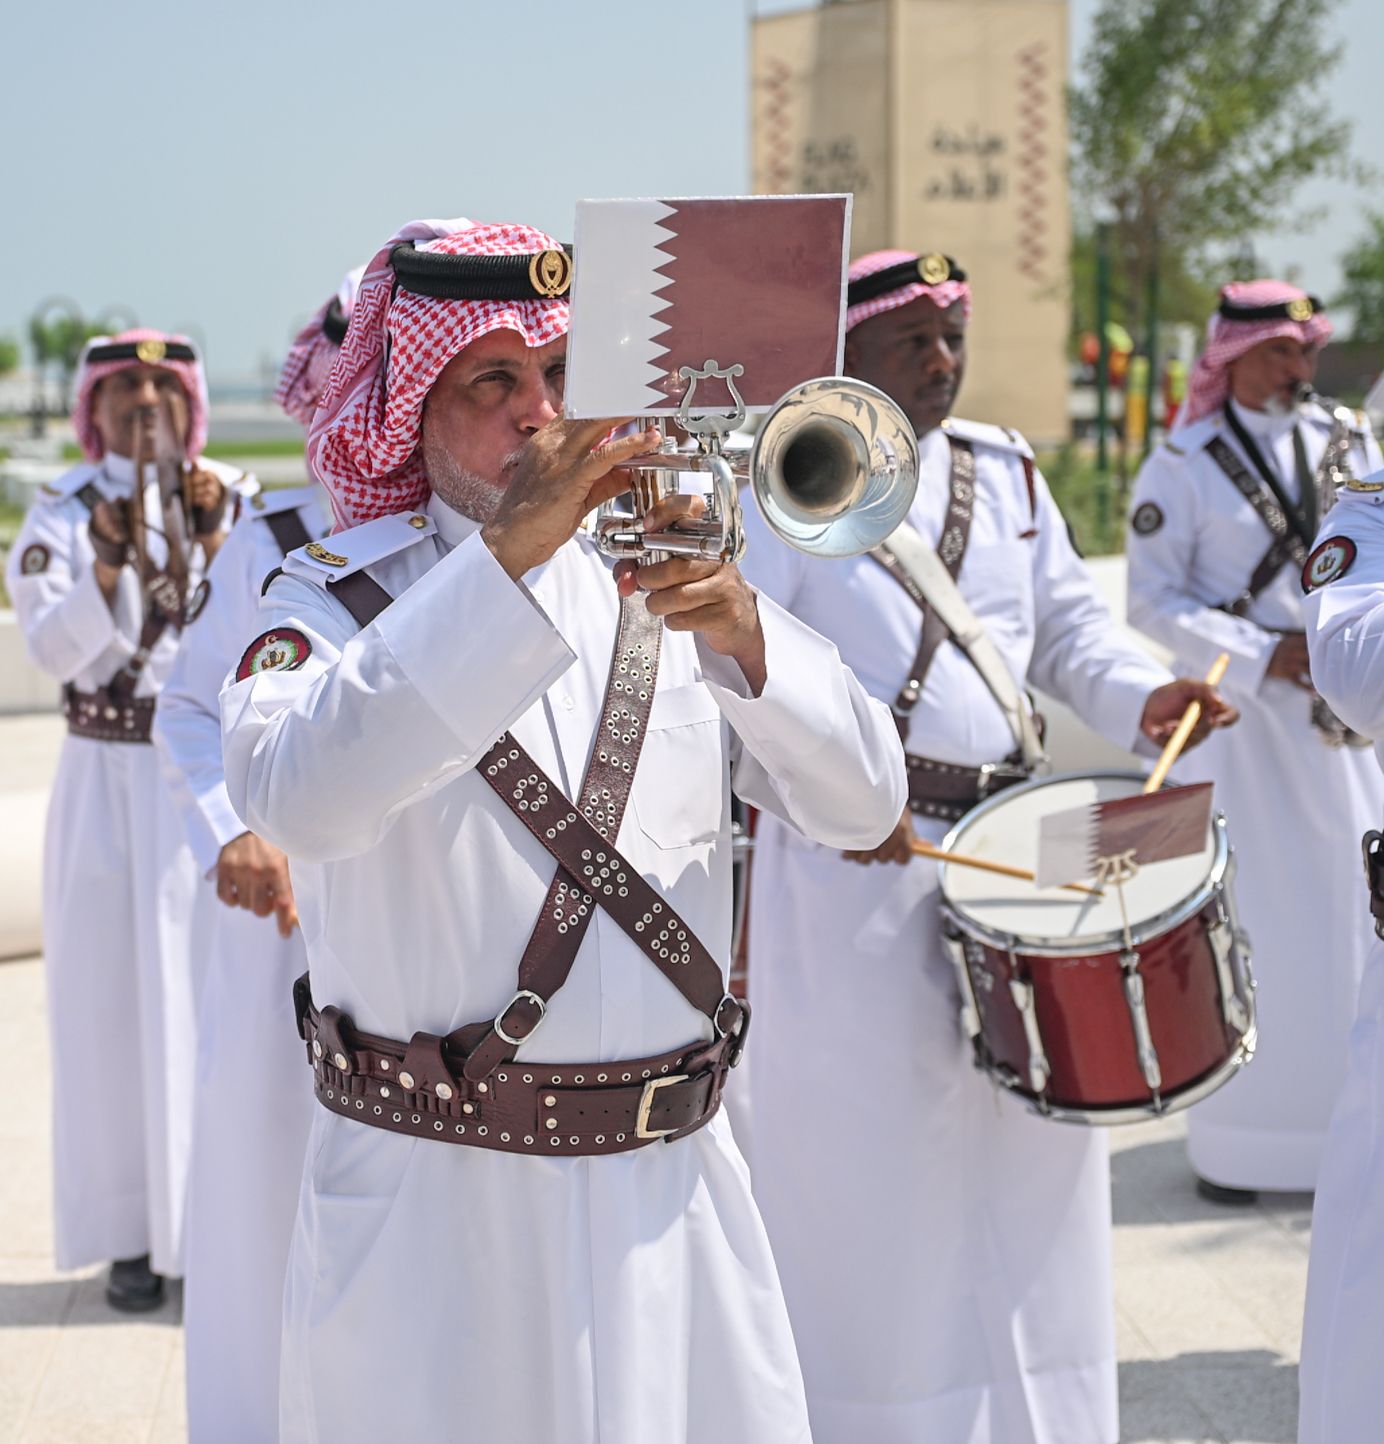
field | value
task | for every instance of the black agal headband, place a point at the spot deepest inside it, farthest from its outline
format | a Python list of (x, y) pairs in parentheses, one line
[(930, 270), (1300, 308), (151, 352), (336, 322), (542, 276)]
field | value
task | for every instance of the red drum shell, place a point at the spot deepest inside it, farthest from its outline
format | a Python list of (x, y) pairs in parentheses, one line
[(1084, 1020)]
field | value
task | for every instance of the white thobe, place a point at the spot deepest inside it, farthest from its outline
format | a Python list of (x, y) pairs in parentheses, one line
[(250, 1124), (622, 1299), (1342, 1396), (946, 1259), (1295, 806), (119, 899)]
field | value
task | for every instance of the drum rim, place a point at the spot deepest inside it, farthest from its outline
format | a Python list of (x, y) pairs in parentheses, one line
[(1094, 944)]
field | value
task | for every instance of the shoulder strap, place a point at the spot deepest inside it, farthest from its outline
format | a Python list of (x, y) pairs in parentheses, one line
[(288, 529), (956, 534), (1284, 548), (581, 838), (89, 495), (932, 579)]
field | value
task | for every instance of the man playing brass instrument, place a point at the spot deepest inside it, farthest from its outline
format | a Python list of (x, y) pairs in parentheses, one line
[(522, 1217), (101, 574), (947, 1262), (1223, 516)]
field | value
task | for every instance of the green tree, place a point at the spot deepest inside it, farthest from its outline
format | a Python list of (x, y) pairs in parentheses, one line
[(9, 354), (1363, 269), (1193, 124), (57, 339)]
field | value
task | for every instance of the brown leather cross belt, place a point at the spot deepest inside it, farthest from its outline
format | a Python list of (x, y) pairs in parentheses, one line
[(560, 1110), (105, 718), (948, 791)]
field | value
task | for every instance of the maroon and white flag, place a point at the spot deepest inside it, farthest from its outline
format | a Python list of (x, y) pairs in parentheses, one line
[(757, 282), (1146, 828)]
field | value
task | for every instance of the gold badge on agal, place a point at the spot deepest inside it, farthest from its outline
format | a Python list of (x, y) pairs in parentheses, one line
[(151, 352), (933, 269), (1300, 309), (550, 273)]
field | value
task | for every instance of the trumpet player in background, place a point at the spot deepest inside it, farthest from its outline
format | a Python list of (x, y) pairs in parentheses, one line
[(100, 574), (947, 1262), (1223, 515), (518, 1167)]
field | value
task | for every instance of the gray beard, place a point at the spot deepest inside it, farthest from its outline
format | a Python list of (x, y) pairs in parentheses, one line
[(464, 491)]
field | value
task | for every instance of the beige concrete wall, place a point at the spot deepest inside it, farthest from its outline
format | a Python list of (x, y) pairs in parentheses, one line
[(947, 120)]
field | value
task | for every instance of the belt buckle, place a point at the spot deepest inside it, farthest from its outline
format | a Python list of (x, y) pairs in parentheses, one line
[(646, 1103), (522, 995), (987, 772)]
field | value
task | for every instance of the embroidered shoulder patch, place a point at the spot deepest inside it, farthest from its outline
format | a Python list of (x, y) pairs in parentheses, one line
[(197, 602), (34, 560), (1330, 560), (1147, 519), (283, 650)]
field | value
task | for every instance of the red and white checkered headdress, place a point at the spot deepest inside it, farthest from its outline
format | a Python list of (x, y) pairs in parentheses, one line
[(1250, 312), (948, 287), (363, 446), (313, 353), (102, 356)]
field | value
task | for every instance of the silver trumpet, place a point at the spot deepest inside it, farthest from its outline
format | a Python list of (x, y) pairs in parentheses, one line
[(833, 469)]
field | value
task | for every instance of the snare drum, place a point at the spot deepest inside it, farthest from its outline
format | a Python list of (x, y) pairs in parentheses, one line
[(1085, 1023)]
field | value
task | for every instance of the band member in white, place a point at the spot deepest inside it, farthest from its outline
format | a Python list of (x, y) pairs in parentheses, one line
[(946, 1257), (250, 1125), (522, 1209), (1223, 515), (1342, 1385), (100, 575)]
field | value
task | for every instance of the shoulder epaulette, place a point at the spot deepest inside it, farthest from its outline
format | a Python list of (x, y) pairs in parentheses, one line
[(1194, 437), (346, 552), (69, 484), (281, 498), (982, 433), (1371, 485)]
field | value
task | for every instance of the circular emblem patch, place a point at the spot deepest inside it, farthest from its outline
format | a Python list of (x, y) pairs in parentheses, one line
[(34, 560), (283, 650), (550, 273), (1300, 309), (1147, 518), (1331, 559), (196, 602)]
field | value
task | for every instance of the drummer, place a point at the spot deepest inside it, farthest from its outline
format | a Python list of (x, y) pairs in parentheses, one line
[(948, 1275)]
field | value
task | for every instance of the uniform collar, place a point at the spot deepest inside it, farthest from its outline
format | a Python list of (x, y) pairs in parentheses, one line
[(452, 526), (1264, 425), (119, 472)]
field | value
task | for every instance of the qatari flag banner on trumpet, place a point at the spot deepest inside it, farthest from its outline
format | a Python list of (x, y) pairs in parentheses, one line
[(757, 282)]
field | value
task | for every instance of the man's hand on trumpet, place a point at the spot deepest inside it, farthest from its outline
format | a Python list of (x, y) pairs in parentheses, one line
[(696, 594)]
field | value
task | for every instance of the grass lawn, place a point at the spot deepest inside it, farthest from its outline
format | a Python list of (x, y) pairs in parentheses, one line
[(226, 450), (1093, 504)]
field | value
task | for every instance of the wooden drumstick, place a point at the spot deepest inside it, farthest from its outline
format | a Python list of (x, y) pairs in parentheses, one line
[(1190, 718), (983, 864)]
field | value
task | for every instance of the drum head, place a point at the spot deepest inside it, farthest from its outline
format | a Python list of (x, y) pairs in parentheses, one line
[(1005, 829)]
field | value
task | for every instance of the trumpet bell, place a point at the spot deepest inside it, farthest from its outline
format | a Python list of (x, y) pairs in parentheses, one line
[(834, 467)]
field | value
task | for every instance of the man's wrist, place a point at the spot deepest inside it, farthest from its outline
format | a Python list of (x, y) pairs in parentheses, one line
[(503, 549)]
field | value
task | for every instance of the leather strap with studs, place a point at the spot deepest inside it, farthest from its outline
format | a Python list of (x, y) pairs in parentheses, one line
[(549, 1109)]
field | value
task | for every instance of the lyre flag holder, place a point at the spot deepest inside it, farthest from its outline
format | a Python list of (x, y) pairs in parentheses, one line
[(743, 292)]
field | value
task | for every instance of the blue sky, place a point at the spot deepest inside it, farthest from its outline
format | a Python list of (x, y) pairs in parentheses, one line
[(220, 164)]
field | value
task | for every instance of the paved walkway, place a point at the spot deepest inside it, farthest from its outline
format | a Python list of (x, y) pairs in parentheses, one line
[(1209, 1300)]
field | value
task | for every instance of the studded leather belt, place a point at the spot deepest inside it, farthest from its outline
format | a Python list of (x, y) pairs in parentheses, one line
[(947, 791), (561, 1110), (105, 718)]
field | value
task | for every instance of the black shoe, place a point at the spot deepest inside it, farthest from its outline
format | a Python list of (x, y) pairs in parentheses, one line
[(1219, 1193), (133, 1287)]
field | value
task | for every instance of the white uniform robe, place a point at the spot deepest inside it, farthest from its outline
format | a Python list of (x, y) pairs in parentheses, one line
[(945, 1254), (250, 1124), (1342, 1385), (623, 1299), (1295, 806), (119, 903)]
